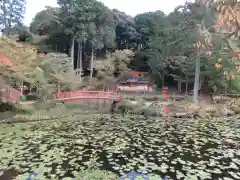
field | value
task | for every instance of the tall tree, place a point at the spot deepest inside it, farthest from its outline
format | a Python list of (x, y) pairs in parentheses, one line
[(146, 26), (195, 22), (158, 44), (46, 22), (227, 16), (11, 13), (126, 34), (69, 19), (101, 30)]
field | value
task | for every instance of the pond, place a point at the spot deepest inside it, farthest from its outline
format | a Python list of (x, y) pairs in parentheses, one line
[(177, 148)]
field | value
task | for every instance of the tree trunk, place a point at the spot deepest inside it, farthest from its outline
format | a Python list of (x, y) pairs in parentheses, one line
[(10, 16), (163, 79), (80, 59), (179, 86), (72, 51), (139, 45), (58, 87), (91, 66), (21, 88), (58, 84), (186, 86), (197, 78), (106, 50), (73, 35), (5, 21)]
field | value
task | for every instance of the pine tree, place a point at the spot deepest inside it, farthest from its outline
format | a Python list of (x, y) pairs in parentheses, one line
[(11, 13)]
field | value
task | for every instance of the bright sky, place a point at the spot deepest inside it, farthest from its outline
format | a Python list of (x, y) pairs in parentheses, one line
[(131, 7)]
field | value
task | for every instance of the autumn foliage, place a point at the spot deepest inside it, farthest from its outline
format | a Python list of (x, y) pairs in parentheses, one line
[(17, 59)]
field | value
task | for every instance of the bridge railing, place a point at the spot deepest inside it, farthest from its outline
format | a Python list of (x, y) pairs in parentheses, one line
[(10, 94), (74, 94)]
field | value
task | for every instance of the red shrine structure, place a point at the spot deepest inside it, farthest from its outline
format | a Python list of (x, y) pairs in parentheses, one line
[(135, 84)]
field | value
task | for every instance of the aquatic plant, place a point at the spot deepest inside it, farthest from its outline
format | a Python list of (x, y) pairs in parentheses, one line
[(178, 148)]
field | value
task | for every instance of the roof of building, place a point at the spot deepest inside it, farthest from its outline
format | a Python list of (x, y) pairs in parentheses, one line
[(135, 80)]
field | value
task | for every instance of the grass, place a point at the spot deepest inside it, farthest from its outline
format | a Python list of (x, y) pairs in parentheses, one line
[(115, 145)]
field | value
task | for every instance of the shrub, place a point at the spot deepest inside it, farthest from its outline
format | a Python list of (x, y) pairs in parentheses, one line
[(92, 174), (7, 107), (31, 97), (16, 108), (45, 105), (151, 98)]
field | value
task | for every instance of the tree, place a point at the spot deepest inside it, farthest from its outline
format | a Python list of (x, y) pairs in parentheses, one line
[(100, 31), (46, 74), (46, 22), (48, 31), (75, 16), (12, 12), (22, 31), (115, 65), (165, 44), (227, 13), (227, 30), (22, 57), (158, 45), (196, 19), (227, 17), (183, 70), (58, 71), (126, 33), (146, 26)]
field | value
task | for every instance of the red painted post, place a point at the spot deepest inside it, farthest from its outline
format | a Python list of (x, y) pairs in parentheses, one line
[(165, 90), (218, 27)]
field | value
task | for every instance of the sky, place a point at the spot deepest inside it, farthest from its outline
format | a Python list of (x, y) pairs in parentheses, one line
[(130, 7)]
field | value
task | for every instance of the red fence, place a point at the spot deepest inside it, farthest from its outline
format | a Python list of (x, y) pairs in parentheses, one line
[(10, 94)]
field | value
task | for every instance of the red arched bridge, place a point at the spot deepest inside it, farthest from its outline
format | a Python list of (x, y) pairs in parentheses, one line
[(9, 94), (13, 95), (88, 95)]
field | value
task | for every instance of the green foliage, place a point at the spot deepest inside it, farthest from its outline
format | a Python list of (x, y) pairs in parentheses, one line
[(115, 64), (45, 74), (165, 44), (12, 12), (46, 22), (93, 174), (55, 74)]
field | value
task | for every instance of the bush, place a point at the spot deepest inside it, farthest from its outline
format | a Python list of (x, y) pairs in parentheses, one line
[(126, 106), (29, 109), (151, 98), (7, 107), (148, 112), (131, 98), (16, 108), (45, 105), (31, 97), (92, 174)]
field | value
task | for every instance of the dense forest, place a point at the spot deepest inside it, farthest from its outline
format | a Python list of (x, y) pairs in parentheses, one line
[(196, 45)]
